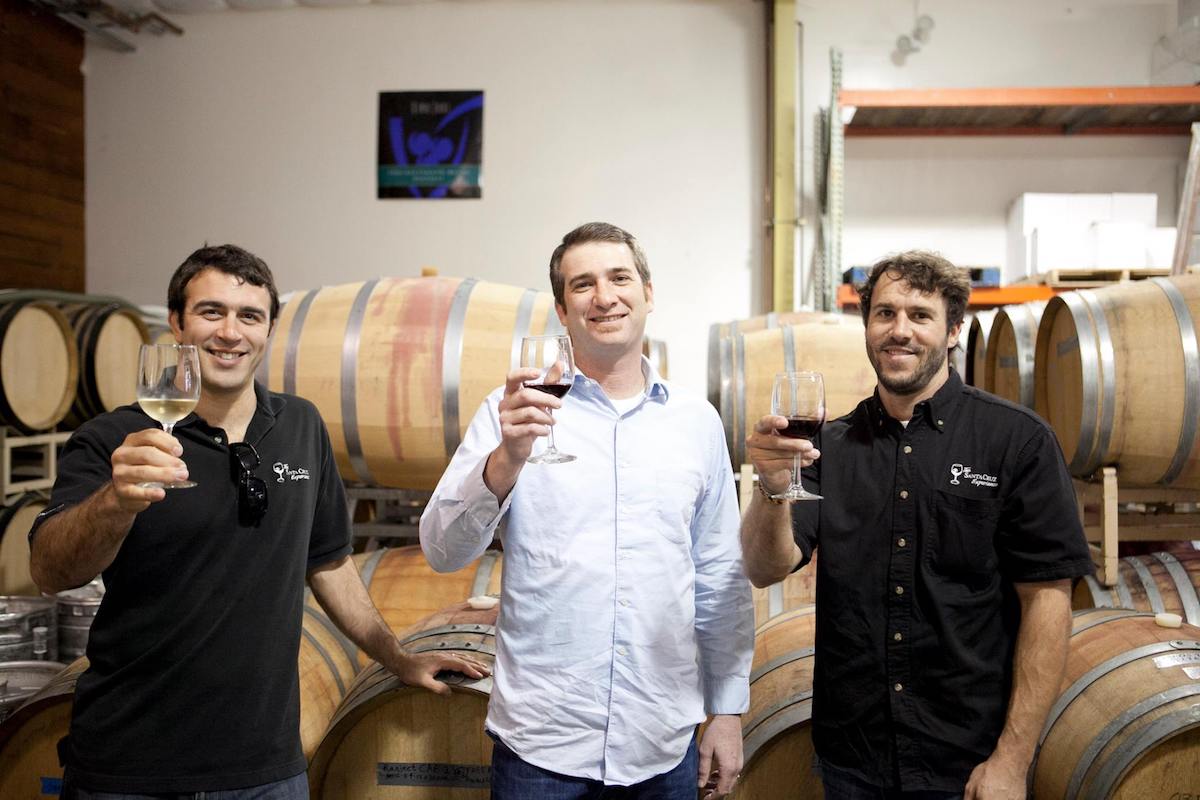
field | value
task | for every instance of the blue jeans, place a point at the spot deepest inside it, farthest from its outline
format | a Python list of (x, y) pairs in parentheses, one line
[(294, 788), (842, 785), (516, 779)]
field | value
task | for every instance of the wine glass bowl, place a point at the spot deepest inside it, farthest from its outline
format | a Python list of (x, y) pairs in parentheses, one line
[(552, 357), (168, 389), (800, 397)]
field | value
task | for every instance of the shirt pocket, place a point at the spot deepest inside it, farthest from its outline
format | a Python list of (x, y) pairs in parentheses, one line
[(675, 506), (962, 542)]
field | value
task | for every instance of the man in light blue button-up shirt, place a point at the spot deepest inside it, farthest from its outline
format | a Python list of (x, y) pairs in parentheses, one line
[(625, 615)]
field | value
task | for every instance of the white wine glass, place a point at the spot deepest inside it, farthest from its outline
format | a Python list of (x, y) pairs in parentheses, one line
[(799, 396), (168, 389), (552, 357)]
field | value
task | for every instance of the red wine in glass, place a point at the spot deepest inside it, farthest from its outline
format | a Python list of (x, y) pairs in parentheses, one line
[(802, 427), (800, 397), (551, 356), (558, 390)]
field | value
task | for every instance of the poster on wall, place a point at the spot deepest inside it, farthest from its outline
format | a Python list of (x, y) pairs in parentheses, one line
[(430, 145)]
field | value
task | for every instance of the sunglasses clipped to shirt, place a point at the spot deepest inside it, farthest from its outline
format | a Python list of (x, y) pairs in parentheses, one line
[(252, 490)]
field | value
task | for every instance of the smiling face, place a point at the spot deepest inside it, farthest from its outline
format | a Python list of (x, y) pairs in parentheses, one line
[(908, 339), (228, 320), (605, 302)]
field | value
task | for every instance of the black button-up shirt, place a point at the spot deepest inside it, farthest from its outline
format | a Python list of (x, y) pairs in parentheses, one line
[(923, 531)]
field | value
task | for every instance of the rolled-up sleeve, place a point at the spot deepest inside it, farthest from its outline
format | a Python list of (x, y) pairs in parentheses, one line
[(461, 518), (724, 607)]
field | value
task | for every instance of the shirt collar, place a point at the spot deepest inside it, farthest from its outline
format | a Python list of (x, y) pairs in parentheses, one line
[(656, 386), (267, 406), (937, 410)]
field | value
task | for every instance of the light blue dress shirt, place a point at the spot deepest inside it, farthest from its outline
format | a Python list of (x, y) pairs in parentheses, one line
[(625, 615)]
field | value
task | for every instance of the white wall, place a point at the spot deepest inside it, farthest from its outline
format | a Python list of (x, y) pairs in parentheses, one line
[(952, 194), (260, 129)]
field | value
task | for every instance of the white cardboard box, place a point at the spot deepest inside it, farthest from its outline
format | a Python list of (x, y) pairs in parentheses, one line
[(1059, 248), (1118, 244), (1070, 214), (1160, 247)]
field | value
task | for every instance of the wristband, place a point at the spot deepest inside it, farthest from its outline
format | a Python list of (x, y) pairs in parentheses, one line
[(763, 491)]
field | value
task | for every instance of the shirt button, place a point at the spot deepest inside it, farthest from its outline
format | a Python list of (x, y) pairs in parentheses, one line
[(897, 636), (217, 439), (899, 687), (899, 590), (621, 651), (904, 494), (907, 448), (902, 542), (624, 602), (940, 423)]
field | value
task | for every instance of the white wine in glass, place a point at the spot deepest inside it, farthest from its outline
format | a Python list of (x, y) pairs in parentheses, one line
[(552, 357), (168, 390)]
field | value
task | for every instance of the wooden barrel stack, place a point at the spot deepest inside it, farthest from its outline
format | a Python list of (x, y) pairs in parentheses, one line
[(398, 366)]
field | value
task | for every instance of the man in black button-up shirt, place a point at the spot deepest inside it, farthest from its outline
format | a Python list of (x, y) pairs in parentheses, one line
[(949, 536)]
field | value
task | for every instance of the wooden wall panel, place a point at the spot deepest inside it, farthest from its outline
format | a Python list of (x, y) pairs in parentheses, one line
[(41, 151)]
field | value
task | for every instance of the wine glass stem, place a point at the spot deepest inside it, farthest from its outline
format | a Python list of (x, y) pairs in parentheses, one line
[(552, 449), (796, 470), (169, 427)]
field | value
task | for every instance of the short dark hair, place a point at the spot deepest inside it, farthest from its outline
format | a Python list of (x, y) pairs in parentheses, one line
[(926, 272), (594, 232), (227, 258)]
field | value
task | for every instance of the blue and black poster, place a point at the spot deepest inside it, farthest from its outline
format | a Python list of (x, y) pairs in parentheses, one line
[(430, 144)]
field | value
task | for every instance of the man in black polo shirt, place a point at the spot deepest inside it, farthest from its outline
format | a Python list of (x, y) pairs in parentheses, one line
[(192, 685), (949, 537)]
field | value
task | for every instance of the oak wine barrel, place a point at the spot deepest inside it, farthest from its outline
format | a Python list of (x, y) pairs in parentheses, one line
[(109, 337), (15, 521), (1127, 722), (390, 740), (1158, 582), (1011, 346), (1118, 378), (327, 666), (406, 589), (776, 730), (39, 365), (29, 768), (977, 344), (831, 344), (720, 345), (398, 366)]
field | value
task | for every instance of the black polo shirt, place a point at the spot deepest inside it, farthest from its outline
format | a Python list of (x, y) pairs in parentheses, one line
[(193, 683), (923, 531)]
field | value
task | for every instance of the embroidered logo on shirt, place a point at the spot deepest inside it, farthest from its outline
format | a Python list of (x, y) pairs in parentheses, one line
[(968, 474), (285, 470)]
